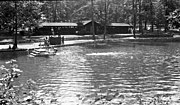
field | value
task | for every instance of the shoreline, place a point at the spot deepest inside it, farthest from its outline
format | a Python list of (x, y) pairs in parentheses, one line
[(78, 40)]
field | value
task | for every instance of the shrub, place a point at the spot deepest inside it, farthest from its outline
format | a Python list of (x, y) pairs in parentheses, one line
[(10, 94)]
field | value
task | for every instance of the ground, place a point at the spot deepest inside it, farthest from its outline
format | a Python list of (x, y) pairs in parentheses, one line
[(35, 41)]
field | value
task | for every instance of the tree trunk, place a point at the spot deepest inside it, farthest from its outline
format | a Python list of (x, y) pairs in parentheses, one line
[(15, 36), (145, 25), (54, 12), (152, 26), (92, 6), (134, 20), (165, 10), (152, 21), (166, 25), (105, 10), (140, 18)]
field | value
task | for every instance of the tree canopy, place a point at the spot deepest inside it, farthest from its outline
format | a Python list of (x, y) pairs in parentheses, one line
[(31, 13), (28, 14)]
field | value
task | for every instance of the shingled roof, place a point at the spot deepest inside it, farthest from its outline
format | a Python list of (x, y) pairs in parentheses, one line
[(119, 24), (51, 24), (88, 21), (57, 24)]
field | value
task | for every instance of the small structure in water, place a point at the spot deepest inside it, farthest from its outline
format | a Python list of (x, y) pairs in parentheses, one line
[(43, 52)]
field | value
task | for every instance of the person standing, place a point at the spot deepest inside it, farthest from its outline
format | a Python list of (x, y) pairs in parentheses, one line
[(52, 30), (63, 40), (46, 42)]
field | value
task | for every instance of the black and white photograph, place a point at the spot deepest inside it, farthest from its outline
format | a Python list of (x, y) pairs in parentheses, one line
[(90, 52)]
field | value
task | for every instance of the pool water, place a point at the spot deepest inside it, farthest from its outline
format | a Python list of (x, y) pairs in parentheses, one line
[(147, 69)]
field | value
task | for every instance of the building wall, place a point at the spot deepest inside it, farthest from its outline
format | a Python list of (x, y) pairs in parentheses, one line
[(87, 29), (61, 30), (67, 30), (118, 29), (43, 31)]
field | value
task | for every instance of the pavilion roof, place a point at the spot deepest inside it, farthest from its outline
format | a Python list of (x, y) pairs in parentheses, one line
[(119, 24), (58, 24)]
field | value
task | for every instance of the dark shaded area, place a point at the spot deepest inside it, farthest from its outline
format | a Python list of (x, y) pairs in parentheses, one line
[(11, 55)]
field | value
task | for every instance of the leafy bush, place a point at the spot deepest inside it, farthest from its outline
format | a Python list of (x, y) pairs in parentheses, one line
[(10, 94)]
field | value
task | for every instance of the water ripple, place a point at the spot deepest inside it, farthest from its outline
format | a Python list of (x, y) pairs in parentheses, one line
[(79, 70)]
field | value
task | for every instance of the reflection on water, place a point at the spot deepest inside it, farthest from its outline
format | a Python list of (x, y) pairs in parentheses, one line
[(85, 71)]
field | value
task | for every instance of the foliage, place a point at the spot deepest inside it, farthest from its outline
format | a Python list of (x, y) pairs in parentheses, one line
[(62, 11), (159, 15), (6, 15), (174, 19), (31, 13), (81, 10), (114, 98), (28, 14), (10, 93)]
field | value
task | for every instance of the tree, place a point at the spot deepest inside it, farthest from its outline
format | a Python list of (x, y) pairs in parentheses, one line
[(160, 18), (28, 14), (156, 12), (7, 15), (169, 7), (140, 16), (134, 18), (174, 19)]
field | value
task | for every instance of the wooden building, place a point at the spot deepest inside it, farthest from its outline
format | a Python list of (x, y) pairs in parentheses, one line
[(85, 27), (57, 28), (119, 28), (82, 28)]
